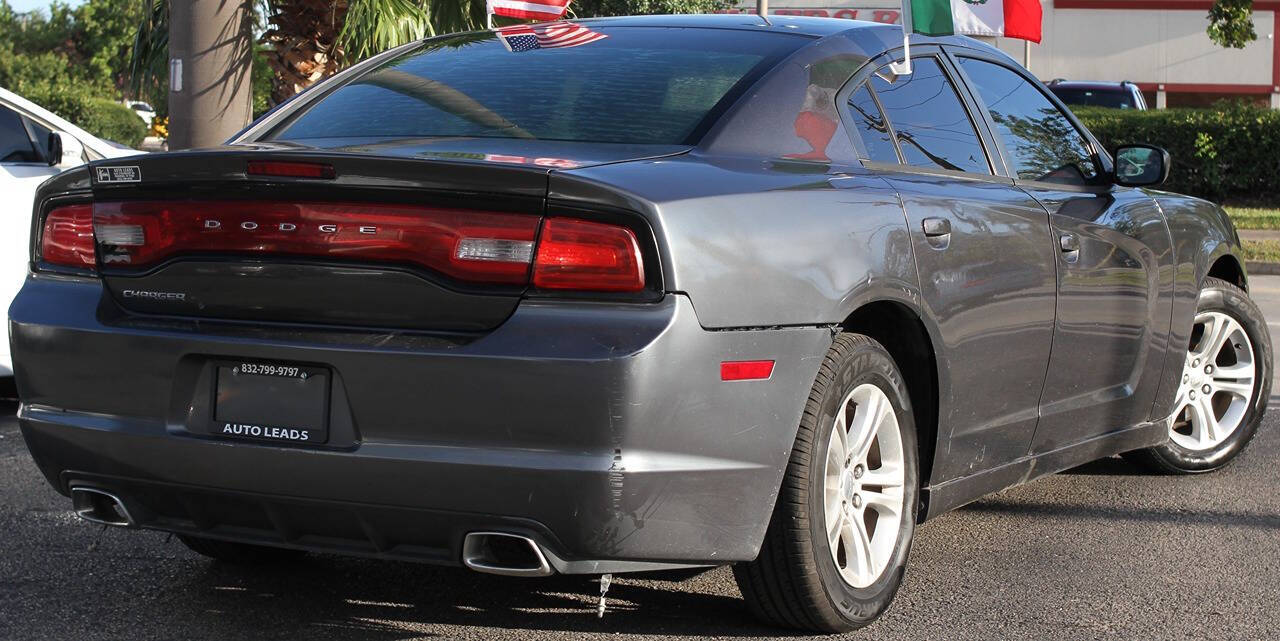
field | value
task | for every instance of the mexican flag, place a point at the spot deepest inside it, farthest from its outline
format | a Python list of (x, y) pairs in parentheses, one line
[(1008, 18)]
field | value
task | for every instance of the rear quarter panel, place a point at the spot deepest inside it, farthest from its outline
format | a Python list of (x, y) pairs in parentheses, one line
[(762, 243)]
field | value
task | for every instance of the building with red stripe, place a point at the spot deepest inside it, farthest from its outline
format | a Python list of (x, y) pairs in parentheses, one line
[(1159, 44)]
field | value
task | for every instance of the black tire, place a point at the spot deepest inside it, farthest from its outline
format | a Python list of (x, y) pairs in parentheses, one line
[(238, 553), (1220, 296), (794, 582)]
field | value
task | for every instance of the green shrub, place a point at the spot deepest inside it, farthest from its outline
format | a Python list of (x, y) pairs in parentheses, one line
[(101, 117), (113, 121), (1223, 152)]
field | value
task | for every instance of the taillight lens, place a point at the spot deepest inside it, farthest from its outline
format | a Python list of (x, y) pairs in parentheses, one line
[(480, 247), (587, 256), (67, 237), (471, 246)]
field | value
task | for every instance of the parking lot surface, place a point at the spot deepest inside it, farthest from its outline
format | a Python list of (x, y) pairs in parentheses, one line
[(1101, 551)]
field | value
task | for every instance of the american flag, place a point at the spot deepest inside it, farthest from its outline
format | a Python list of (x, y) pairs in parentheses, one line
[(554, 35), (529, 9)]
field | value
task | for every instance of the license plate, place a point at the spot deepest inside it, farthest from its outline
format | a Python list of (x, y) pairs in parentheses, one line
[(272, 401)]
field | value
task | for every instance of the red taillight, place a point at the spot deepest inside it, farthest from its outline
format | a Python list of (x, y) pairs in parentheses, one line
[(470, 246), (587, 256), (481, 247), (291, 169), (67, 236), (745, 370)]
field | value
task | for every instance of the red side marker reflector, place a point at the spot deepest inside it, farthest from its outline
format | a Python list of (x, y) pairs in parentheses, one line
[(745, 370), (291, 169)]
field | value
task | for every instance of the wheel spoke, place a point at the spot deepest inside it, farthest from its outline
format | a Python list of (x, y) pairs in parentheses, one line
[(840, 433), (884, 476), (1243, 390), (835, 456), (858, 544), (835, 529), (887, 501), (1203, 421), (865, 425), (1217, 328)]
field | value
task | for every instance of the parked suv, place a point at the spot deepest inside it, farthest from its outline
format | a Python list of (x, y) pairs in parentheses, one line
[(1113, 95), (631, 294)]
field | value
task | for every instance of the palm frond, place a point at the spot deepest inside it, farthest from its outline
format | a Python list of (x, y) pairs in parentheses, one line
[(150, 53), (372, 26)]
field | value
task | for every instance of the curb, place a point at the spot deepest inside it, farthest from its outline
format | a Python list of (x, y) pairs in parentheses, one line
[(1267, 269)]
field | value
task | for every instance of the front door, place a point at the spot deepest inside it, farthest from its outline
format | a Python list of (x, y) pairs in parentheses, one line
[(1114, 263), (985, 258)]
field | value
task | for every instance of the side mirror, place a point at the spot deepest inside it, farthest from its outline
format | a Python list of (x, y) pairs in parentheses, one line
[(65, 150), (1142, 166)]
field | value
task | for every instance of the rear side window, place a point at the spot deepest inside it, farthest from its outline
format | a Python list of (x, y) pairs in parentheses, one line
[(872, 130), (932, 125), (1041, 143), (622, 84), (15, 142)]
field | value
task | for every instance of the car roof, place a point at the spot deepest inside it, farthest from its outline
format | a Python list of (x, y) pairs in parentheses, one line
[(871, 37), (802, 25), (1090, 84)]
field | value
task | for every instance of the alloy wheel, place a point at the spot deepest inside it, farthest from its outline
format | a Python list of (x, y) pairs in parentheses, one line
[(1216, 388), (863, 485)]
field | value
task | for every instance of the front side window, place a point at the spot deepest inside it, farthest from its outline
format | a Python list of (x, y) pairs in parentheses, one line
[(614, 84), (15, 142), (1042, 144), (932, 125)]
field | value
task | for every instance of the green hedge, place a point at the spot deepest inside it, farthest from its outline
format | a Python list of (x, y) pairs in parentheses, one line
[(1231, 151), (113, 121), (101, 117)]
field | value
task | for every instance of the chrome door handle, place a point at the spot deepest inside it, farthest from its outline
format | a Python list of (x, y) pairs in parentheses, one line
[(935, 227), (937, 232), (1070, 246)]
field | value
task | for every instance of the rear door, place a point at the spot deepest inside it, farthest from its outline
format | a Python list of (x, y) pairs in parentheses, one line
[(1113, 253), (984, 254)]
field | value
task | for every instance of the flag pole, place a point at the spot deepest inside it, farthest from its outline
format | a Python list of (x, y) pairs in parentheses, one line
[(904, 68)]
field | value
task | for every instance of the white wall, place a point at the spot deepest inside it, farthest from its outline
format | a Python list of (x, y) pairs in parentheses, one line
[(1091, 44), (1144, 46)]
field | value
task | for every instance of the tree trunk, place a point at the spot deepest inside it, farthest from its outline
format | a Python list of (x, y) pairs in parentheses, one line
[(302, 41), (211, 56)]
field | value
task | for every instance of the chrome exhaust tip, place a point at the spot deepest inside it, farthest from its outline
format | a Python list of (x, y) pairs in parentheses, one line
[(103, 508), (505, 554)]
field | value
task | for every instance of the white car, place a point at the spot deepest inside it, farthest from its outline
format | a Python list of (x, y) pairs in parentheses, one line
[(30, 137), (145, 111)]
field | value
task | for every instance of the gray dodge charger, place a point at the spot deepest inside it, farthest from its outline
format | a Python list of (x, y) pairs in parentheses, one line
[(630, 295)]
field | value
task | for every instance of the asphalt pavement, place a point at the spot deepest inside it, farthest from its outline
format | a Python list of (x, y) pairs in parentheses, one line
[(1105, 551)]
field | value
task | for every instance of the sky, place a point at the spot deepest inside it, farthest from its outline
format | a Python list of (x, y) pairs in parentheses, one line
[(28, 5)]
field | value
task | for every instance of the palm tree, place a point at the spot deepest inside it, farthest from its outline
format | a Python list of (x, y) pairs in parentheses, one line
[(307, 40)]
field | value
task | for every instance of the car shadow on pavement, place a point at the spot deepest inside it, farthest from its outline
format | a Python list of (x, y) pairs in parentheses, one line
[(1112, 466), (354, 598), (1138, 514)]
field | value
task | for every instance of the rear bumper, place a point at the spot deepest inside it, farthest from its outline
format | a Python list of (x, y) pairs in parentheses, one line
[(601, 431)]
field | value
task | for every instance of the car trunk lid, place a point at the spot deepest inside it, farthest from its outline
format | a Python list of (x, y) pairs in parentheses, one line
[(319, 236)]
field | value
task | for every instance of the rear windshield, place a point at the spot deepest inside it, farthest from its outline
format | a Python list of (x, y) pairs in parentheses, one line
[(1113, 98), (611, 84)]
